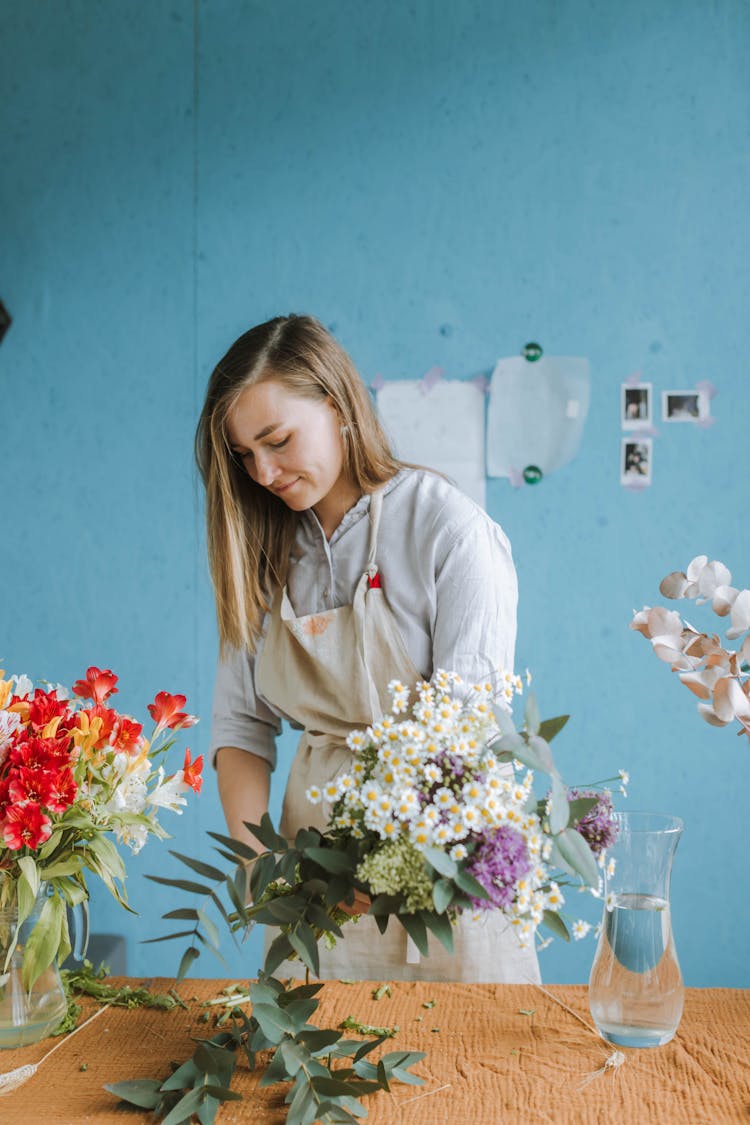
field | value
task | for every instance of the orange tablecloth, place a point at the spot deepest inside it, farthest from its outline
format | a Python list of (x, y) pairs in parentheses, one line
[(495, 1053)]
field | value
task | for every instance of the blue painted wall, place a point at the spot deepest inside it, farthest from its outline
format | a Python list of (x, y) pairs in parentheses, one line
[(439, 183)]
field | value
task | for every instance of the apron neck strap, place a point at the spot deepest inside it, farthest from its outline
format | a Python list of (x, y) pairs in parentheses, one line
[(376, 507)]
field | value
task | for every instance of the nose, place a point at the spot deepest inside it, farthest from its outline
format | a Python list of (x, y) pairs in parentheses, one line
[(265, 469)]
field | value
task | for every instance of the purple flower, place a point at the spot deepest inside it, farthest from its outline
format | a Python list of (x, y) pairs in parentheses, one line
[(598, 827), (500, 860)]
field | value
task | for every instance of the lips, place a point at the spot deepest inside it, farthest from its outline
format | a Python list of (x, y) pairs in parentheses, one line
[(280, 489)]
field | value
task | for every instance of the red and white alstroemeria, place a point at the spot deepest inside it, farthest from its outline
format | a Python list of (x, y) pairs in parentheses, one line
[(72, 771), (166, 711)]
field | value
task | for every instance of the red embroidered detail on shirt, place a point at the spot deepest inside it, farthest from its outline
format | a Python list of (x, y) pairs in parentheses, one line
[(374, 583)]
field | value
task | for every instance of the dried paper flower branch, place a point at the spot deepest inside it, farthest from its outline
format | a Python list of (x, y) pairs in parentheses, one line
[(719, 676)]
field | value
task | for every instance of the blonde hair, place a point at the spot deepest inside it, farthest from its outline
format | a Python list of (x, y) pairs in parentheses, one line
[(249, 530)]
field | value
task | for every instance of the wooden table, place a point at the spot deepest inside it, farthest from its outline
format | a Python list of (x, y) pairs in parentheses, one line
[(495, 1053)]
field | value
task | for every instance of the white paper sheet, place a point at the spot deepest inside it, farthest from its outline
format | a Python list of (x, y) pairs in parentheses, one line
[(536, 413), (438, 423)]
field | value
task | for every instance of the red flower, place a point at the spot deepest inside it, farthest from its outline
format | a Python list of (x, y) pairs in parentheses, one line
[(191, 774), (40, 753), (128, 733), (4, 796), (98, 685), (25, 826), (31, 785), (63, 791), (108, 718), (45, 706), (165, 711)]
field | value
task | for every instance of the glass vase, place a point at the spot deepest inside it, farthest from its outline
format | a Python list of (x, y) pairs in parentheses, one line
[(636, 992), (26, 1015)]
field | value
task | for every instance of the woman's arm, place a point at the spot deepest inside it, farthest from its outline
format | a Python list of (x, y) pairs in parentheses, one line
[(244, 786)]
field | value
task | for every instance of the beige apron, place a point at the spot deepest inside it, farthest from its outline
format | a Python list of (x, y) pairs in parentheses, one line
[(330, 672)]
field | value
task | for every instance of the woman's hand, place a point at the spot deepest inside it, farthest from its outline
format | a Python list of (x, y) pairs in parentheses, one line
[(360, 905)]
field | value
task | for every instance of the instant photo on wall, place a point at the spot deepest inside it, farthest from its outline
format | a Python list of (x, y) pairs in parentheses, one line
[(635, 462), (635, 405), (684, 406)]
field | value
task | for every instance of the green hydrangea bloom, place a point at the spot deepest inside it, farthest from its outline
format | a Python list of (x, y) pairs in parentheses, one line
[(398, 868)]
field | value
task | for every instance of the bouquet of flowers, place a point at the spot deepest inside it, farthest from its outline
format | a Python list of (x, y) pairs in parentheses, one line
[(434, 816), (442, 800), (73, 771), (718, 676)]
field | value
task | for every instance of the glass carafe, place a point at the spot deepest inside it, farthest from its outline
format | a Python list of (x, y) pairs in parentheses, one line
[(636, 992), (26, 1015)]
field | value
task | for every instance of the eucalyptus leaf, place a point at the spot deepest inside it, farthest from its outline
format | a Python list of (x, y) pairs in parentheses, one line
[(184, 913), (365, 1048), (338, 890), (276, 1071), (143, 1092), (337, 862), (318, 917), (303, 1108), (579, 807), (542, 749), (287, 866), (306, 838), (442, 895), (181, 884), (576, 852), (554, 922), (531, 714), (319, 1042), (304, 943), (185, 1108), (440, 926), (261, 875), (185, 1075), (551, 727), (237, 847), (512, 743), (279, 950), (299, 1012), (192, 953), (168, 937), (558, 814), (286, 909), (294, 1055), (273, 1021), (200, 868), (207, 1110), (415, 928), (471, 886), (385, 905), (441, 862), (267, 834), (504, 719), (209, 927)]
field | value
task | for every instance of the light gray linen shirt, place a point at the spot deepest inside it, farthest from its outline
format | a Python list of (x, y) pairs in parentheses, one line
[(447, 574)]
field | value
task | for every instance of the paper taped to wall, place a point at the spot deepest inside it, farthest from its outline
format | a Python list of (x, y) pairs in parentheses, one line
[(440, 424), (536, 413)]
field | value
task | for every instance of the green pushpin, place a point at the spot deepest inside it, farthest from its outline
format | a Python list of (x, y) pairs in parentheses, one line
[(532, 352), (532, 474)]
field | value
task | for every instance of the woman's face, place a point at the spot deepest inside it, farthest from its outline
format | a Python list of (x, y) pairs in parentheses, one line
[(290, 445)]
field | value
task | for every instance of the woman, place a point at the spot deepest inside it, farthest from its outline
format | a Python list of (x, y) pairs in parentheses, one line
[(337, 568)]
